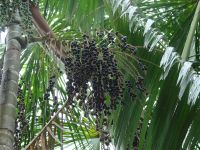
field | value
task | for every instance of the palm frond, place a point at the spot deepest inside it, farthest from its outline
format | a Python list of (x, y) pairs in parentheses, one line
[(162, 118)]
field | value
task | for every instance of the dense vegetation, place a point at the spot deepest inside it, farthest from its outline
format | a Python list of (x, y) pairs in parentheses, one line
[(100, 74)]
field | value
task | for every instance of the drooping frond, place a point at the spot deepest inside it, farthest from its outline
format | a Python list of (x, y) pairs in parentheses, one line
[(153, 37), (163, 107)]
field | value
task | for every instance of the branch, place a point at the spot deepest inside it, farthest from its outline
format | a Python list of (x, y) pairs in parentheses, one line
[(188, 43), (40, 22), (45, 31)]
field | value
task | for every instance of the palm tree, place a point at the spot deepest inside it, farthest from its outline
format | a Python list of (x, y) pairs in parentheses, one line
[(9, 82), (165, 38)]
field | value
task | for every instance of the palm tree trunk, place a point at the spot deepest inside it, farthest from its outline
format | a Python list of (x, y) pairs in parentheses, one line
[(9, 85)]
